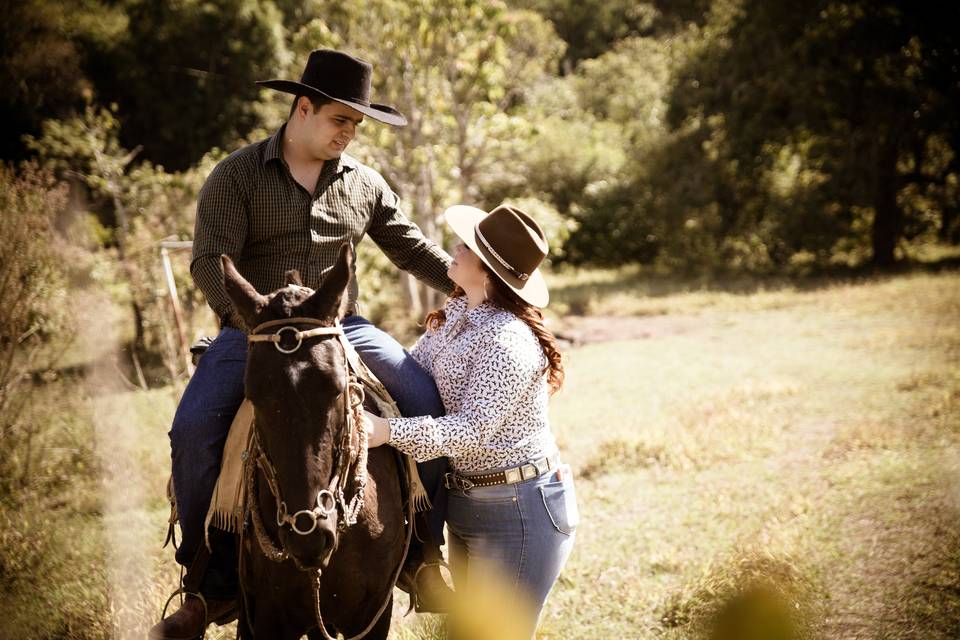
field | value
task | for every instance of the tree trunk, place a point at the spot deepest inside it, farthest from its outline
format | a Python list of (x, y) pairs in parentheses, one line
[(888, 218), (949, 231), (411, 294), (887, 227)]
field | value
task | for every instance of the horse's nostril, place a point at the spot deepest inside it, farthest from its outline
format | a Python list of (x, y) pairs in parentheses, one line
[(312, 551), (329, 542)]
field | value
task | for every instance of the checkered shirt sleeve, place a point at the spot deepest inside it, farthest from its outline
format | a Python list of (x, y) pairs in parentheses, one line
[(221, 228)]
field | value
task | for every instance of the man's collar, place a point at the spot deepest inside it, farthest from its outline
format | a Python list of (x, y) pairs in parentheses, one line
[(339, 165), (274, 148), (274, 151)]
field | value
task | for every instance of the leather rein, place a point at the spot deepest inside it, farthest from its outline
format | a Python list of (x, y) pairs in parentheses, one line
[(331, 501)]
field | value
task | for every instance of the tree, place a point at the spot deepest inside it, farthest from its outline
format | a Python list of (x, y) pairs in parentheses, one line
[(35, 324), (136, 205), (459, 70), (592, 27), (183, 74), (598, 129), (860, 94), (42, 55)]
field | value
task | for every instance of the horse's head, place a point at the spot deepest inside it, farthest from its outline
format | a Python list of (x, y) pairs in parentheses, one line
[(299, 388)]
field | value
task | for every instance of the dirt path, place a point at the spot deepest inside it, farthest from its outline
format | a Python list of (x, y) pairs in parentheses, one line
[(580, 330)]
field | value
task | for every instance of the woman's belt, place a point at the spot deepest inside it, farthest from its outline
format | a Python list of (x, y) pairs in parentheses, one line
[(513, 475)]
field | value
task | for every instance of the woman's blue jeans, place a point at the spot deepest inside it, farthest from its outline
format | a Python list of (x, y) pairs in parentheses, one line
[(521, 532), (212, 398)]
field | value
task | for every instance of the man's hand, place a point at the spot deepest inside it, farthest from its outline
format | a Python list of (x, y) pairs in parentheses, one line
[(378, 429)]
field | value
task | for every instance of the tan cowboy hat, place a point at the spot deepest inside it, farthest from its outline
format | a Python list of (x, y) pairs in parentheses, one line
[(509, 242)]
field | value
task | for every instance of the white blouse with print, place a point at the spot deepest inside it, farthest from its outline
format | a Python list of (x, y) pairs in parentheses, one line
[(491, 373)]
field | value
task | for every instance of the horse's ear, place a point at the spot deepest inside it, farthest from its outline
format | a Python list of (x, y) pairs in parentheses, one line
[(293, 277), (245, 298), (330, 300)]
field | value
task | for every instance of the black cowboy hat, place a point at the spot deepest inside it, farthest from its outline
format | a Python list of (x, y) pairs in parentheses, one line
[(340, 77)]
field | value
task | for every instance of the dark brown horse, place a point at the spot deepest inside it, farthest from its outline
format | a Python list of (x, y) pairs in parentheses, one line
[(323, 540)]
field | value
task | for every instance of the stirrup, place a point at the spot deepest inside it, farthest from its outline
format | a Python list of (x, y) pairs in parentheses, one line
[(184, 592), (415, 604)]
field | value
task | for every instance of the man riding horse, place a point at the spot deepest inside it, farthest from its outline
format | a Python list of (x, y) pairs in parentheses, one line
[(290, 202)]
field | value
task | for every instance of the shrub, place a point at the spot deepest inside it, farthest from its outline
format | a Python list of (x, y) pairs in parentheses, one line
[(34, 319)]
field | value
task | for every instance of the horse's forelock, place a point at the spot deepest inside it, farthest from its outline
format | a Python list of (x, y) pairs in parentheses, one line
[(286, 302)]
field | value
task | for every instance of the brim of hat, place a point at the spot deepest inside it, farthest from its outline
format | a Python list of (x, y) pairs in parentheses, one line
[(380, 112), (463, 220)]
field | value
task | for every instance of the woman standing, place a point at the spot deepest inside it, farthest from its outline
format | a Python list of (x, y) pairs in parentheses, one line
[(511, 504)]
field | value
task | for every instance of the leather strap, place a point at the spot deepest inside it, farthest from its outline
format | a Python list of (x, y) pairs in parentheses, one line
[(513, 475), (193, 578)]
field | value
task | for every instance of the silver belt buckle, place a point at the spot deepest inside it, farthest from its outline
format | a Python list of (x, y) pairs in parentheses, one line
[(513, 476), (542, 465), (453, 481)]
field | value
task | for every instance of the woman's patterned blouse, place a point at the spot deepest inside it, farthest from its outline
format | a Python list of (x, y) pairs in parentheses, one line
[(491, 373)]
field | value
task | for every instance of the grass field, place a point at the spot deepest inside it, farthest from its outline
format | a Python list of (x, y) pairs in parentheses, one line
[(805, 438), (783, 459)]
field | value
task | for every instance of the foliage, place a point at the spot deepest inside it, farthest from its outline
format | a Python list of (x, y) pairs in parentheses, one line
[(593, 147), (592, 27), (758, 136), (35, 325), (459, 71), (815, 113), (139, 205), (182, 74), (52, 562), (701, 135), (42, 54), (166, 206)]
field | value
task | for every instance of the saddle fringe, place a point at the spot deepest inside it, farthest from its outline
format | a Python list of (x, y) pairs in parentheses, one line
[(418, 494)]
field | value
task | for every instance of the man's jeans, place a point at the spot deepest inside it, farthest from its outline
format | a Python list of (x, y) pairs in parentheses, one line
[(211, 400)]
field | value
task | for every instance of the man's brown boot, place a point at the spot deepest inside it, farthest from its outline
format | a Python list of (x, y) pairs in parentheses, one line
[(429, 592), (421, 576), (189, 623)]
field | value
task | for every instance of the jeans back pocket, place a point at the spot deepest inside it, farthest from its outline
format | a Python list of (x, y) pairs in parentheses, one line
[(560, 501)]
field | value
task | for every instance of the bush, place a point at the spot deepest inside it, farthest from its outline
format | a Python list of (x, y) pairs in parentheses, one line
[(750, 595), (35, 326), (133, 208)]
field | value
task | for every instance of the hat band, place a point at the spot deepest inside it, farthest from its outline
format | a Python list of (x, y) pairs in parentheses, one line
[(504, 263)]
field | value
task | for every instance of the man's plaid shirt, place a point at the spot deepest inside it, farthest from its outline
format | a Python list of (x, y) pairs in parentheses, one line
[(253, 210)]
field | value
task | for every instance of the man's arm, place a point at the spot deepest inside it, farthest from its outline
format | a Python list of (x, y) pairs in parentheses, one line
[(221, 228), (404, 243)]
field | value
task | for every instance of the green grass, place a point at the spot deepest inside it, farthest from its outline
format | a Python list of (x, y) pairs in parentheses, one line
[(817, 434), (776, 462)]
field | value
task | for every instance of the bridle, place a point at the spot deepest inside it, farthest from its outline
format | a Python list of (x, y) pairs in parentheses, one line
[(331, 500)]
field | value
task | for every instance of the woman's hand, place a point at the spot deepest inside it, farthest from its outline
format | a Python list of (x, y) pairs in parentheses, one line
[(378, 429)]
